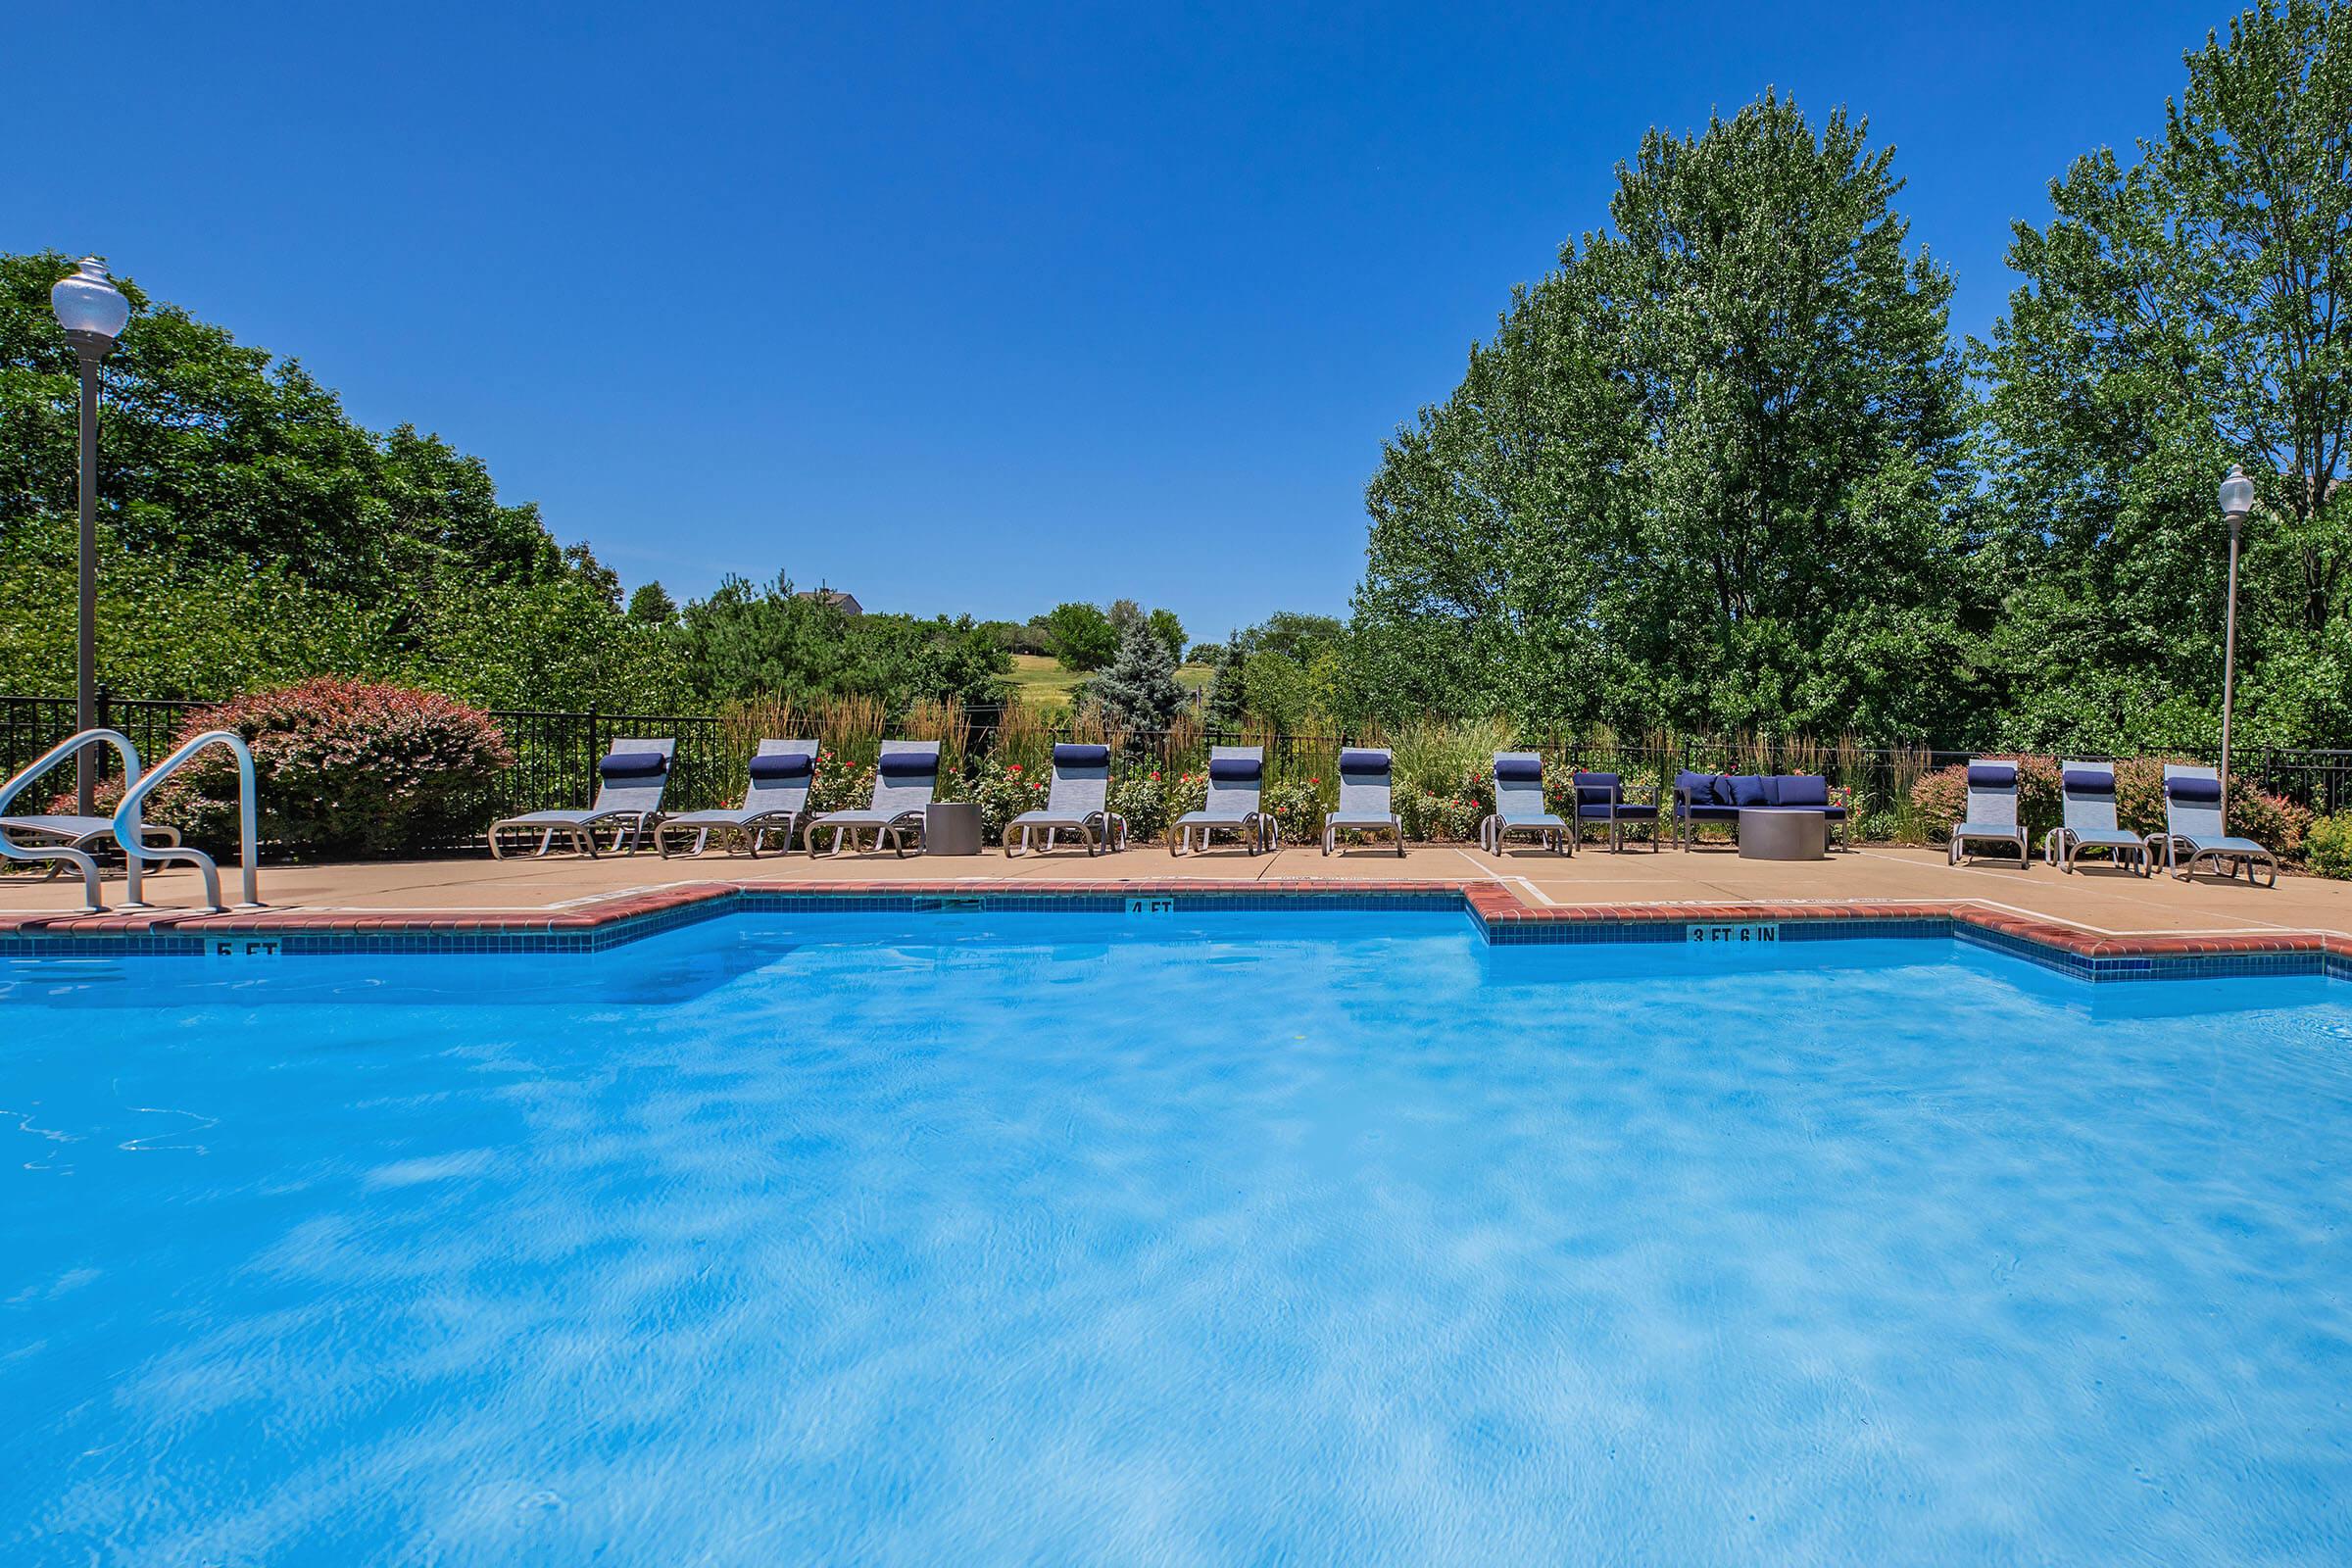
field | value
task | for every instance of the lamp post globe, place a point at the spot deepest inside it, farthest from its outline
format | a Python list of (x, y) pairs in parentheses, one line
[(93, 314), (87, 303), (2237, 503)]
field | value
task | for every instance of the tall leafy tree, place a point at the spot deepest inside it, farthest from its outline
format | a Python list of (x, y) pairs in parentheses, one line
[(2180, 313), (1082, 636), (1707, 469)]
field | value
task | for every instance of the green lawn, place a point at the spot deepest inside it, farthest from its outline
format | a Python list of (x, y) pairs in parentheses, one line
[(1037, 679)]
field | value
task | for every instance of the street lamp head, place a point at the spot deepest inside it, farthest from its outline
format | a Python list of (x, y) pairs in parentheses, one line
[(88, 306), (2237, 494)]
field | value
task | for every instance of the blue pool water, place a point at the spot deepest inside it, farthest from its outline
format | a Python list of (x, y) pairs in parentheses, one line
[(1248, 1238)]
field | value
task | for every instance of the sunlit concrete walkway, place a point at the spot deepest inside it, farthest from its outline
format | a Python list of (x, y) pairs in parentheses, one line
[(2098, 900)]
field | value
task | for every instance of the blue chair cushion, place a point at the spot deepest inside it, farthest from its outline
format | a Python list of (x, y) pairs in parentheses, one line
[(1708, 814), (1992, 775), (633, 765), (1835, 814), (907, 764), (1803, 788), (1632, 808), (1748, 789), (1595, 789), (2198, 790), (783, 765), (1081, 756), (2086, 781), (1236, 769), (1696, 789), (1520, 769), (1374, 765)]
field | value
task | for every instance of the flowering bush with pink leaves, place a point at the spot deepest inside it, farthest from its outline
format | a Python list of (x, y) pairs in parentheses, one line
[(342, 768)]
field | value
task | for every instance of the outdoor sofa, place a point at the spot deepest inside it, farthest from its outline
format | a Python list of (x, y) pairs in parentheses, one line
[(1704, 797)]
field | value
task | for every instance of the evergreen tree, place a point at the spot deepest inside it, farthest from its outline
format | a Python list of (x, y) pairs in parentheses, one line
[(1140, 690)]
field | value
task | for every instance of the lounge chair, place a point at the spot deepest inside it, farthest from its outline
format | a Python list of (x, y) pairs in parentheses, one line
[(1992, 810), (1077, 802), (2193, 820), (2087, 795), (773, 802), (631, 779), (1601, 797), (1365, 804), (1519, 805), (51, 833), (1236, 778), (904, 775)]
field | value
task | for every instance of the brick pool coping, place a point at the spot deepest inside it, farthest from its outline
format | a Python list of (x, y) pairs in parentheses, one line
[(1502, 915)]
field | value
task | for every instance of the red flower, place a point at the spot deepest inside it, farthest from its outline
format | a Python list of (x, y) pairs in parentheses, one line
[(1014, 768), (1314, 781), (1156, 778)]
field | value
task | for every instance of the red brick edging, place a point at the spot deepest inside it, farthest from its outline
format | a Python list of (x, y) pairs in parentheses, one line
[(1493, 903)]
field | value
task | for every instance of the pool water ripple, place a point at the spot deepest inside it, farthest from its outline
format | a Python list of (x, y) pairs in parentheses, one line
[(1329, 1239)]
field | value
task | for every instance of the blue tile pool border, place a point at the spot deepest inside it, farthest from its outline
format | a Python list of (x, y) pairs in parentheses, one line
[(588, 931)]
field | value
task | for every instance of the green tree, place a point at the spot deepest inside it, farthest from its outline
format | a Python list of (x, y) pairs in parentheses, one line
[(1228, 687), (1082, 636), (1140, 690), (1698, 465), (1168, 629), (651, 606), (747, 641), (2180, 313)]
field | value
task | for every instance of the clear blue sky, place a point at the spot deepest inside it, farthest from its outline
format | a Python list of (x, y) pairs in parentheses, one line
[(969, 308)]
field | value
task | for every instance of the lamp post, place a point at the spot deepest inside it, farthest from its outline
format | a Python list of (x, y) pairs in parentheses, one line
[(93, 312), (2237, 500)]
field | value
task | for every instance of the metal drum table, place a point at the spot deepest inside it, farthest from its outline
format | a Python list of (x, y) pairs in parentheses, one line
[(1782, 833), (951, 827)]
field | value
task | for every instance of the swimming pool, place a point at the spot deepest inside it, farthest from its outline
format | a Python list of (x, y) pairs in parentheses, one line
[(1330, 1238)]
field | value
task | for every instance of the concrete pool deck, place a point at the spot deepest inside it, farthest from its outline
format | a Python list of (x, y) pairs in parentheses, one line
[(2094, 911)]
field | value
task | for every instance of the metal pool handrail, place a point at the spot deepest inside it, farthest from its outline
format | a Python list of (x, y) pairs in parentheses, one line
[(127, 824), (80, 860)]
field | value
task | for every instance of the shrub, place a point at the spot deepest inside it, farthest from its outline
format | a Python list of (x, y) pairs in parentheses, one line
[(2329, 845), (1296, 808), (1453, 818), (838, 786), (342, 768)]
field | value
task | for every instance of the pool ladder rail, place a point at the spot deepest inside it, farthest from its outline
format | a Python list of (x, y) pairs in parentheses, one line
[(130, 827)]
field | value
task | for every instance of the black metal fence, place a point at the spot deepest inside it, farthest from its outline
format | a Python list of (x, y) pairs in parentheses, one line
[(556, 752)]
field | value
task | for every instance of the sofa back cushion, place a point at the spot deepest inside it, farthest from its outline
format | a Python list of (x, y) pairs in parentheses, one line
[(1801, 789)]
